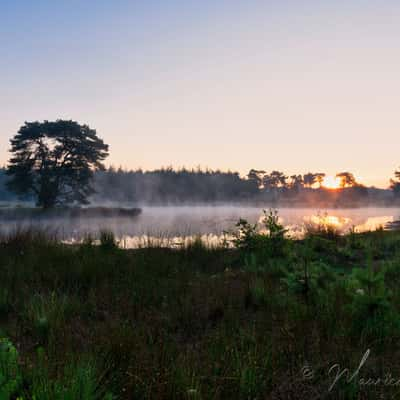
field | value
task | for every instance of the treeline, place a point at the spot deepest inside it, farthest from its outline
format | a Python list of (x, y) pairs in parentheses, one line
[(167, 185), (191, 186)]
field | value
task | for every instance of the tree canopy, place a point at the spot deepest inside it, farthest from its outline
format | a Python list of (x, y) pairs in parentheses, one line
[(395, 183), (346, 179), (54, 161)]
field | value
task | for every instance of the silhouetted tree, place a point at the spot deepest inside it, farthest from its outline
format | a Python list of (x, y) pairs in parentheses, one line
[(346, 179), (319, 178), (296, 182), (274, 180), (309, 179), (395, 183), (194, 186), (55, 161), (256, 176)]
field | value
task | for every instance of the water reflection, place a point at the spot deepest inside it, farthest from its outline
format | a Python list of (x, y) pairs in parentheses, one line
[(373, 223), (328, 220), (179, 226), (341, 224)]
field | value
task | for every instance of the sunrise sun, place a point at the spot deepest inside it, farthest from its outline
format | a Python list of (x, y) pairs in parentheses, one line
[(331, 182)]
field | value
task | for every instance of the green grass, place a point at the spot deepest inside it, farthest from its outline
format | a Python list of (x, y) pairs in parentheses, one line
[(99, 322)]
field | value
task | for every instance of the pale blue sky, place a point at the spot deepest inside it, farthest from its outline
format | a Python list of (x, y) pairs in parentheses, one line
[(290, 85)]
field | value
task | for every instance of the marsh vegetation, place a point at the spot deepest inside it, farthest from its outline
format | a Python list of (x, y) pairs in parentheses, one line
[(245, 321)]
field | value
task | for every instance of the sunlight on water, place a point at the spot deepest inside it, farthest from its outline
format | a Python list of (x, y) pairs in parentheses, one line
[(328, 220), (180, 226), (374, 223)]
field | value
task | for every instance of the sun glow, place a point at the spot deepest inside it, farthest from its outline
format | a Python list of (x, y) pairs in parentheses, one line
[(331, 182), (329, 220)]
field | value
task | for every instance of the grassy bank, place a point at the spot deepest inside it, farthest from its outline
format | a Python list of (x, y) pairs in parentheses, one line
[(23, 213), (266, 320)]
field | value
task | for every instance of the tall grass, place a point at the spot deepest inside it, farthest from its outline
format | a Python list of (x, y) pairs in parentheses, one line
[(198, 322)]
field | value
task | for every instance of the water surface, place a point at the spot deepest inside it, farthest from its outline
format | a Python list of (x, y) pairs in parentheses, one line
[(177, 225)]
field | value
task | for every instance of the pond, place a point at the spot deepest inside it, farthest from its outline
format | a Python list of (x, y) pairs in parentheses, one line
[(174, 226)]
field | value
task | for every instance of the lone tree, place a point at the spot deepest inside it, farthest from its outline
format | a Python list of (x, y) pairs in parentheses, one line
[(55, 161)]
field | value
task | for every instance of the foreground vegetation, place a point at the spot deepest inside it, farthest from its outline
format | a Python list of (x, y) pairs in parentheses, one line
[(268, 319)]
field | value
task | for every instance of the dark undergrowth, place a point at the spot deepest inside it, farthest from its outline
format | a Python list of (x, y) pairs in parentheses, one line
[(272, 318)]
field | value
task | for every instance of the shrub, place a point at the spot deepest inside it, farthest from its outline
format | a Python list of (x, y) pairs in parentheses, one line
[(246, 235), (373, 315), (323, 229), (272, 242)]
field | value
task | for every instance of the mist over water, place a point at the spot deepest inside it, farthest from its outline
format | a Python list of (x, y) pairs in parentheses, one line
[(172, 226)]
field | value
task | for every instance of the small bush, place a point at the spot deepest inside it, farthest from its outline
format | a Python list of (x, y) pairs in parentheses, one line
[(323, 229), (373, 315), (272, 242)]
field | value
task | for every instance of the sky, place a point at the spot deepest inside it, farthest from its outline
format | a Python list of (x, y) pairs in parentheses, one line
[(293, 85)]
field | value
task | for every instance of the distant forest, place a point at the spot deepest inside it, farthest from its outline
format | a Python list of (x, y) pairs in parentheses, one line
[(195, 186)]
